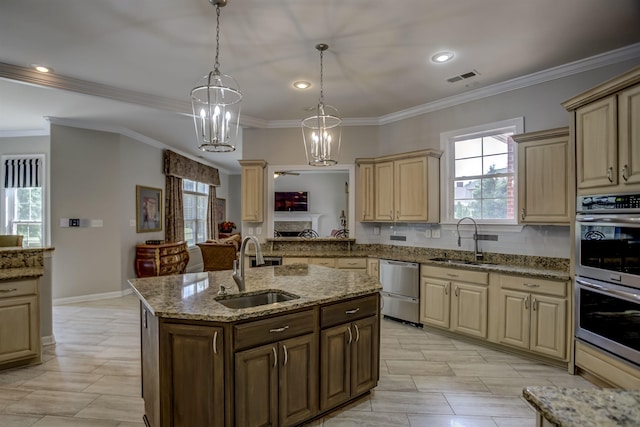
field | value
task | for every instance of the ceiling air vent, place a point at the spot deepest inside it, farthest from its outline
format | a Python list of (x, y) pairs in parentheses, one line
[(463, 76)]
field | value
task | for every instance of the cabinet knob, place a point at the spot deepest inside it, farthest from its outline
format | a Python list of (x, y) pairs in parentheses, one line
[(625, 175), (610, 173)]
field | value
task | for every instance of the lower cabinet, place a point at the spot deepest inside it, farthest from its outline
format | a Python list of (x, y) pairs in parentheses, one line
[(192, 376), (454, 299), (533, 315), (19, 323), (276, 384)]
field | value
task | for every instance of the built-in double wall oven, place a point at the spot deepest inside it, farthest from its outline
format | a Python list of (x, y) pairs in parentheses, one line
[(607, 282)]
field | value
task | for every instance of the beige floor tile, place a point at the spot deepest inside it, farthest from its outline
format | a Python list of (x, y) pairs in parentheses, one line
[(12, 394), (45, 402), (49, 421), (418, 367), (494, 356), (449, 421), (15, 377), (491, 406), (116, 385), (535, 369), (569, 380), (73, 364), (483, 369), (127, 424), (396, 382), (359, 419), (117, 408), (63, 381), (453, 356), (410, 402), (450, 384), (512, 386), (515, 422), (125, 368), (397, 353), (8, 420)]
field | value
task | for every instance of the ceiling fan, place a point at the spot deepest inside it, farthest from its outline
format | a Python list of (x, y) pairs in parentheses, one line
[(282, 173)]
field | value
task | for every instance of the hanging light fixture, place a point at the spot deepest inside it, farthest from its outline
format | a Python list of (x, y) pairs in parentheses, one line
[(216, 103), (322, 132)]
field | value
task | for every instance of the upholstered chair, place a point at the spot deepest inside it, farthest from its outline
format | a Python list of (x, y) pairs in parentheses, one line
[(11, 240), (218, 256)]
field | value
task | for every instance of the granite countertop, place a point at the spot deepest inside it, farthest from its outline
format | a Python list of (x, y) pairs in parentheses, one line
[(193, 296), (586, 407), (20, 273)]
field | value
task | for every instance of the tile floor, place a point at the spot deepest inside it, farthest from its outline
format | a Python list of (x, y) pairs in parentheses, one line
[(91, 377)]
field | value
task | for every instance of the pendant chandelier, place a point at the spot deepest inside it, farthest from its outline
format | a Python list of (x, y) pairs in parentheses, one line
[(322, 131), (216, 103)]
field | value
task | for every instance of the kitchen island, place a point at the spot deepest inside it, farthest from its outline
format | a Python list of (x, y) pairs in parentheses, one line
[(280, 363)]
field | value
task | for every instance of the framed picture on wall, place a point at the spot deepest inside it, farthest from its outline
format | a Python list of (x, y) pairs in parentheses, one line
[(148, 209), (221, 210)]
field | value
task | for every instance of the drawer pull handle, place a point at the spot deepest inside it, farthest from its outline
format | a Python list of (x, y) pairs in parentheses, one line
[(610, 173), (354, 311), (350, 335), (534, 304), (286, 355), (624, 173), (446, 289), (284, 328), (357, 332), (532, 285), (215, 342), (457, 291), (8, 290), (526, 303), (452, 275), (275, 357), (144, 318)]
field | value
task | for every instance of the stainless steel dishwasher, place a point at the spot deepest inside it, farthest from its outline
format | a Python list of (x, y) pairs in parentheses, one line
[(400, 290)]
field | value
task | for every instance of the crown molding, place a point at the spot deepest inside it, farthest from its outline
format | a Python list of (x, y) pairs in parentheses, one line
[(32, 77), (22, 133)]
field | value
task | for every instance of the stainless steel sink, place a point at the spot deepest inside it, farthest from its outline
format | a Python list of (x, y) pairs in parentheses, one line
[(253, 300), (460, 261)]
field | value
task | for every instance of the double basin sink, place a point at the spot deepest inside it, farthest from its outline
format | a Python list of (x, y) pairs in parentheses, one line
[(460, 262), (239, 301)]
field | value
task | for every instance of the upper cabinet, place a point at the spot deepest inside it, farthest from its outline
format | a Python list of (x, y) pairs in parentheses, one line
[(401, 187), (253, 190), (544, 168), (606, 120)]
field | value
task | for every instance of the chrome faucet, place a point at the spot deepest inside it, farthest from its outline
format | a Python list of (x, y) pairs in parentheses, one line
[(239, 277), (478, 255)]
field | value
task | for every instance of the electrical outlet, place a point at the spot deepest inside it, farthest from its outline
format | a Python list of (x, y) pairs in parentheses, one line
[(435, 233), (258, 230), (250, 231), (427, 233), (376, 230)]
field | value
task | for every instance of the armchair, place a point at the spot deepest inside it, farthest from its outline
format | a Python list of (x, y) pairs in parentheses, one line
[(218, 256), (7, 240)]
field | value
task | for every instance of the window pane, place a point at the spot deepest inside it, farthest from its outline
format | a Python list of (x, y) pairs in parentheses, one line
[(189, 232), (494, 187), (188, 185), (189, 202), (468, 167), (467, 189), (496, 144), (202, 188), (496, 164), (494, 208), (464, 208), (468, 148), (202, 207)]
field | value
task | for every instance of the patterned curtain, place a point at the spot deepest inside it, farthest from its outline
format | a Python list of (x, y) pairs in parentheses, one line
[(22, 173), (212, 226), (174, 213)]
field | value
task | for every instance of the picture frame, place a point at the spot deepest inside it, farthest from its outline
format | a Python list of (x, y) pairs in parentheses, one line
[(221, 210), (148, 209)]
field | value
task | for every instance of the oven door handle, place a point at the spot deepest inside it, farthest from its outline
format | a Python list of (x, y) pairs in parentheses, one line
[(608, 220), (620, 294)]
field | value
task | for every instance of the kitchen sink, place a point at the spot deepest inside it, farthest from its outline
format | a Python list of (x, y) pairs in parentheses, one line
[(460, 261), (253, 300)]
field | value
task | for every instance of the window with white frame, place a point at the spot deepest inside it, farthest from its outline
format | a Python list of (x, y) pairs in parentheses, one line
[(195, 197), (23, 198), (482, 173)]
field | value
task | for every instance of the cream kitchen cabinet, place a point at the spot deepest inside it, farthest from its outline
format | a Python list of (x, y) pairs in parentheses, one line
[(544, 170), (533, 315), (253, 190), (607, 135), (373, 267), (403, 187), (19, 323), (454, 299)]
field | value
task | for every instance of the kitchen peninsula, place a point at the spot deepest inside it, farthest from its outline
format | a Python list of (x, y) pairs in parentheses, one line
[(277, 363)]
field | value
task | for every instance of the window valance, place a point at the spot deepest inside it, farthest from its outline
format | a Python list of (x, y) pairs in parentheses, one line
[(23, 173), (182, 167)]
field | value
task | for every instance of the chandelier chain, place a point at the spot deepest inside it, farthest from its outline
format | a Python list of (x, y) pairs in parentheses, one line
[(216, 65), (321, 79)]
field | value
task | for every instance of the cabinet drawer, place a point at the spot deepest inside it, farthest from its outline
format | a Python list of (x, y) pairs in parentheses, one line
[(18, 287), (347, 311), (542, 286), (457, 274), (351, 263), (326, 262), (260, 332)]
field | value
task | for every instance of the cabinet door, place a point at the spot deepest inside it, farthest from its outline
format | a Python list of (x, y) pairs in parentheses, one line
[(253, 193), (384, 191), (150, 365), (596, 144), (543, 178), (410, 189), (192, 375), (373, 267), (514, 318), (434, 302), (364, 355), (469, 309), (19, 328), (366, 193), (256, 386), (629, 142), (335, 366), (548, 325), (298, 398)]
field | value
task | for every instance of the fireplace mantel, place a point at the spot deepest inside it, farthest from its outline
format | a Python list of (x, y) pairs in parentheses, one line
[(298, 217)]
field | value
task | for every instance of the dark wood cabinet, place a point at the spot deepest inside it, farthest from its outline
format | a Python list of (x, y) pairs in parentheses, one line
[(161, 260), (191, 376)]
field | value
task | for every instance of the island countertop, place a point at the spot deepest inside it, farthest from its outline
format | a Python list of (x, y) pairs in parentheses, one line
[(193, 296)]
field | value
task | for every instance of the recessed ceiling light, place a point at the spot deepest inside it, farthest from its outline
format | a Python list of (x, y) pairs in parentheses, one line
[(442, 57), (42, 68), (301, 84)]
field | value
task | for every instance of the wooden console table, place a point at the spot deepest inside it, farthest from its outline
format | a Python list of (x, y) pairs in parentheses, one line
[(161, 260)]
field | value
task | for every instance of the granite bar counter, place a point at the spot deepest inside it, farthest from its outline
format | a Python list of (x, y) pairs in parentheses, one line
[(570, 407)]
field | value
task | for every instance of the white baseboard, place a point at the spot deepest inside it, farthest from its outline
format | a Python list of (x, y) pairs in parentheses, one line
[(92, 297), (48, 340)]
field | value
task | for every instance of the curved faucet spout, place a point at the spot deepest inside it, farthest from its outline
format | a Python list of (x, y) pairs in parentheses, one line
[(238, 277), (477, 253)]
